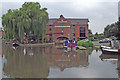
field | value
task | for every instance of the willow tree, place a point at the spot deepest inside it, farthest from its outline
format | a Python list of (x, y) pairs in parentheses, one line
[(31, 18)]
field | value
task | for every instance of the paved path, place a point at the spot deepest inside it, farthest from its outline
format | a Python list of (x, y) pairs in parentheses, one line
[(97, 43)]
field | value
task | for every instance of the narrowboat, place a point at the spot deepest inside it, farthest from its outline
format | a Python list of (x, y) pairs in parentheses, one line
[(104, 47), (110, 51)]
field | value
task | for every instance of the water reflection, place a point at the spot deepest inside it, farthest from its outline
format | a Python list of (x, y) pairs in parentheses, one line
[(66, 59), (112, 57), (108, 57), (118, 66), (24, 66), (35, 62), (1, 59)]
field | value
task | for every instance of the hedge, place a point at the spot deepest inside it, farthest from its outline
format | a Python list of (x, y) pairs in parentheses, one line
[(85, 43)]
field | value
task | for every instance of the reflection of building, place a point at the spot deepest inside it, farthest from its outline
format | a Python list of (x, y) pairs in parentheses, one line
[(59, 58), (68, 28)]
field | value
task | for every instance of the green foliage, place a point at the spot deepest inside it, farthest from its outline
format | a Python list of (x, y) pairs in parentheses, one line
[(113, 37), (99, 36), (111, 30), (85, 43), (28, 19), (96, 37), (79, 43), (90, 33)]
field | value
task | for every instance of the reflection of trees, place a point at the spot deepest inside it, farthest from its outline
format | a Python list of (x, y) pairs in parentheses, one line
[(118, 66), (24, 66)]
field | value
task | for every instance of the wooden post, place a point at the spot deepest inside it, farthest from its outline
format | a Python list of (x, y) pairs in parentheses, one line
[(118, 35)]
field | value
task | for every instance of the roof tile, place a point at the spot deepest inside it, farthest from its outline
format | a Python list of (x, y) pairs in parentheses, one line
[(73, 21)]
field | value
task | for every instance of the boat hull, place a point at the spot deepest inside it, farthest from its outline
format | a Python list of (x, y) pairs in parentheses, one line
[(110, 51), (101, 47)]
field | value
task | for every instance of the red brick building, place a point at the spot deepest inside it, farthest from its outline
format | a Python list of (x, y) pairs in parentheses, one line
[(1, 33), (67, 28)]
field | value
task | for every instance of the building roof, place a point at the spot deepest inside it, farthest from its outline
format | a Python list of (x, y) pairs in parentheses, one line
[(73, 21), (51, 21)]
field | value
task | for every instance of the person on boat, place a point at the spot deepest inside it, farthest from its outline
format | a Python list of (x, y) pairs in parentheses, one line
[(75, 43), (118, 45), (69, 43), (66, 42), (113, 44)]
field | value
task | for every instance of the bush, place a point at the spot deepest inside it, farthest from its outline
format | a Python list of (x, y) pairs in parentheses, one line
[(85, 43), (79, 43)]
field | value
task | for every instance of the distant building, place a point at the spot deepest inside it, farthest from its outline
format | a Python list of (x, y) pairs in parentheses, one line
[(67, 28)]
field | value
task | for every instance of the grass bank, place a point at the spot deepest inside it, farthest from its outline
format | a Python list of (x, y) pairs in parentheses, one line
[(37, 44)]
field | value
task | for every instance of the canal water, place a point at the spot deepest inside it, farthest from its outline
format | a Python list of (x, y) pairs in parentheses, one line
[(54, 62)]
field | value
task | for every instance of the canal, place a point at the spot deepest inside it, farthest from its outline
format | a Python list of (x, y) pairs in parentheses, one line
[(54, 62)]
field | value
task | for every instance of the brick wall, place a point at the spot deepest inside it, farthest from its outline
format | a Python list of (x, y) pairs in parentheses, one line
[(62, 27)]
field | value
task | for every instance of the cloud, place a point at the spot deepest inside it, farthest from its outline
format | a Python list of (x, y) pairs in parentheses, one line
[(99, 12), (60, 0)]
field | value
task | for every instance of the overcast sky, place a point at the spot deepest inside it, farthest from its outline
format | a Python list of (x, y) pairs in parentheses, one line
[(99, 12)]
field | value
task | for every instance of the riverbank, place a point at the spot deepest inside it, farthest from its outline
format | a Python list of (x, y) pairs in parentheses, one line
[(38, 44), (97, 44)]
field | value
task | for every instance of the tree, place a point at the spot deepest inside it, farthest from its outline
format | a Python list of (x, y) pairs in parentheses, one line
[(90, 32), (111, 30), (30, 19)]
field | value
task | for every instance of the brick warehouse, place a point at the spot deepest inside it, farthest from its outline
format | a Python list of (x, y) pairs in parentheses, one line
[(67, 28)]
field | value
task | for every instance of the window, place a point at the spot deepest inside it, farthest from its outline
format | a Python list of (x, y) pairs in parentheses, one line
[(50, 25), (73, 34), (82, 34), (62, 28), (50, 29), (73, 25), (81, 25), (62, 33), (73, 29), (82, 29), (50, 34), (62, 24)]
